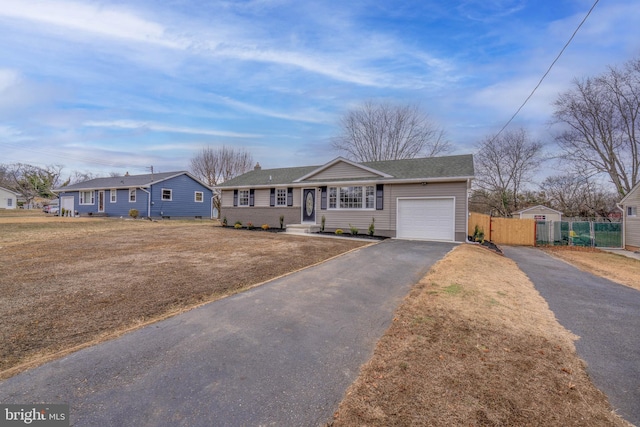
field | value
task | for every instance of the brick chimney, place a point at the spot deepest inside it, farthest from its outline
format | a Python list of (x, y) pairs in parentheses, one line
[(257, 167)]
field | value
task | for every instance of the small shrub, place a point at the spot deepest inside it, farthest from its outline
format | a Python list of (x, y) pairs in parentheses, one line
[(224, 221), (322, 221), (250, 226), (372, 227), (133, 213), (265, 227), (237, 225), (281, 221), (353, 229), (478, 234), (63, 211), (339, 231)]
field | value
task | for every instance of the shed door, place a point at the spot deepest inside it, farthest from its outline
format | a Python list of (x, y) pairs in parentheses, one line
[(426, 219)]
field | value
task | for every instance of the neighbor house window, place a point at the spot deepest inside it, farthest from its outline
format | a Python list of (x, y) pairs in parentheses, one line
[(87, 198), (114, 195), (9, 203), (540, 217), (199, 196), (281, 197), (632, 210), (166, 194), (243, 197), (132, 195), (355, 197)]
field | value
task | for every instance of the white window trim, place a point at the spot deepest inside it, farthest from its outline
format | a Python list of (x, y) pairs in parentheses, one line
[(240, 198), (170, 194), (113, 196), (135, 193), (195, 197), (82, 200), (632, 211), (364, 199), (284, 199)]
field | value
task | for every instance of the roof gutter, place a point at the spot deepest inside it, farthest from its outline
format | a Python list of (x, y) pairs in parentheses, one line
[(354, 182)]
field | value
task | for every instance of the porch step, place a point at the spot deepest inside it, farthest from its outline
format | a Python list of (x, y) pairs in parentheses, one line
[(302, 228)]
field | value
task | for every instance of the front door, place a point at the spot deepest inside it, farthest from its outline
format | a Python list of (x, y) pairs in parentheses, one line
[(309, 205), (101, 201)]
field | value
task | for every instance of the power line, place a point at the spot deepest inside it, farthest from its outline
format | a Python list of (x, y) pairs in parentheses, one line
[(548, 70)]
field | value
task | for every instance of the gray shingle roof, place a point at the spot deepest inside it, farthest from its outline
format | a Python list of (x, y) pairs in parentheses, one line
[(426, 168), (119, 182)]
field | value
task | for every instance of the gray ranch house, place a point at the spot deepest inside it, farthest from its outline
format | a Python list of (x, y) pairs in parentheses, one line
[(630, 205), (158, 195), (425, 198)]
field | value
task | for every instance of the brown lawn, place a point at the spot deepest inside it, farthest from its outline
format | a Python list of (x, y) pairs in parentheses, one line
[(474, 344), (68, 282), (615, 267)]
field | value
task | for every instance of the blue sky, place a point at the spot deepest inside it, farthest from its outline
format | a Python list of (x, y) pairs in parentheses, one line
[(118, 86)]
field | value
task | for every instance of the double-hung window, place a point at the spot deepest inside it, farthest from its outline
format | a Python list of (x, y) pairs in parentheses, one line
[(198, 196), (353, 197), (87, 197), (132, 195), (632, 211), (113, 193), (243, 197), (281, 197), (167, 194)]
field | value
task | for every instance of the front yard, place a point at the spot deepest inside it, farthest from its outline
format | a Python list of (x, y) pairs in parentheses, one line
[(69, 282)]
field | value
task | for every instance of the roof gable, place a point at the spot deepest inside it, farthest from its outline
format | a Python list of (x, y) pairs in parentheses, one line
[(540, 207), (10, 191), (630, 193), (340, 168)]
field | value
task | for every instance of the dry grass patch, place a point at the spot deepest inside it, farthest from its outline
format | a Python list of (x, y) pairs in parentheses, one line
[(617, 268), (474, 344), (70, 283)]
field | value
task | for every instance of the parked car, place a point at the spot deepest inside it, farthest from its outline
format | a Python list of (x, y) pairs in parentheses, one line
[(54, 210)]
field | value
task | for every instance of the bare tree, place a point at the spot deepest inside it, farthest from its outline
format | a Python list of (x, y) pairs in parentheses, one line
[(33, 181), (383, 131), (577, 196), (504, 165), (217, 165), (602, 124)]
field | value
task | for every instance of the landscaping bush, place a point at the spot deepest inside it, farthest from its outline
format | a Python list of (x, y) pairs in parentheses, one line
[(372, 228), (353, 229), (339, 231), (265, 227), (133, 213)]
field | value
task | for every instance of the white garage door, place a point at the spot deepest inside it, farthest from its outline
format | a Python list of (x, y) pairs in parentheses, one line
[(429, 219)]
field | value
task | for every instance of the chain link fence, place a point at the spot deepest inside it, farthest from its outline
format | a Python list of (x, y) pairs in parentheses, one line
[(579, 233)]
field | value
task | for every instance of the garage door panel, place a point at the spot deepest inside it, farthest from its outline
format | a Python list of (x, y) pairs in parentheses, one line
[(429, 219)]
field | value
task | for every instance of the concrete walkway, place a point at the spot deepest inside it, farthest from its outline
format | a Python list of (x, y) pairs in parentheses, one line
[(604, 314), (280, 354)]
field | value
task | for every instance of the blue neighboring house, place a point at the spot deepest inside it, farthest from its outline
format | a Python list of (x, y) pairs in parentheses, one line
[(158, 195)]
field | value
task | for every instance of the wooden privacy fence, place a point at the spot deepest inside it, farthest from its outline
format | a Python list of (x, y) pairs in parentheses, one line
[(505, 231)]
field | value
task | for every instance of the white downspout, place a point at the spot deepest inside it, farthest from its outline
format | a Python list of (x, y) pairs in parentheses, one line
[(623, 225), (148, 202)]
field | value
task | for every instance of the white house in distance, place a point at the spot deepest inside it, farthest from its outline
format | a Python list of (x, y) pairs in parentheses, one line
[(8, 199), (539, 213)]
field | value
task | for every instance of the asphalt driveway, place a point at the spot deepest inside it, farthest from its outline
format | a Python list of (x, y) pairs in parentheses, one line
[(604, 314), (280, 354)]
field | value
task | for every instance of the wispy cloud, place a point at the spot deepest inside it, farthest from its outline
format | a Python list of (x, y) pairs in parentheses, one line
[(156, 127), (108, 21)]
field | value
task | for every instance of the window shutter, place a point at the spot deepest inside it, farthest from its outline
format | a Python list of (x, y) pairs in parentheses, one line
[(289, 196), (251, 197), (379, 196), (272, 197), (235, 197), (323, 198)]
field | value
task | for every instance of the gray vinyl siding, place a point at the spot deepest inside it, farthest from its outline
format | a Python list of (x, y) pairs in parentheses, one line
[(261, 215), (385, 220), (262, 198), (343, 170), (632, 224)]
